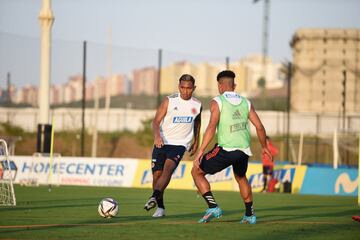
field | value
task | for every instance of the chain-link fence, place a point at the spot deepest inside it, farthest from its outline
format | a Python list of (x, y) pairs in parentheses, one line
[(131, 82), (112, 72)]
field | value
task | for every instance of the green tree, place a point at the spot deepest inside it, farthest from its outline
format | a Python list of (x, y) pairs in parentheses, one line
[(145, 134), (261, 83)]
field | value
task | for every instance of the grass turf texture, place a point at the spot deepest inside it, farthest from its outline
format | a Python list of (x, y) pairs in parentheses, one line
[(71, 213)]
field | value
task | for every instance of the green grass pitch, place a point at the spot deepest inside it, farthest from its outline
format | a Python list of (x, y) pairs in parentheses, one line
[(71, 213)]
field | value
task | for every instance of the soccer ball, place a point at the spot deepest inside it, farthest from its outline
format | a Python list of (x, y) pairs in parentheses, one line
[(108, 208)]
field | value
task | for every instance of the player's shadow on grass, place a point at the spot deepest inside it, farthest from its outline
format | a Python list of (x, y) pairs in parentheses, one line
[(70, 200), (192, 216), (121, 220), (186, 216), (289, 213), (294, 207), (30, 207)]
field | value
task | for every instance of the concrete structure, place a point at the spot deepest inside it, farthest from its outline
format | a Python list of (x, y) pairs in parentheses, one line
[(320, 56), (145, 81), (57, 94), (73, 89), (204, 74), (205, 77), (4, 94), (170, 76), (90, 90), (28, 94), (248, 71), (118, 85), (241, 72), (253, 71)]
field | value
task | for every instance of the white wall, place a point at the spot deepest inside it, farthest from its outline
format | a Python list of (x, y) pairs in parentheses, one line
[(120, 119)]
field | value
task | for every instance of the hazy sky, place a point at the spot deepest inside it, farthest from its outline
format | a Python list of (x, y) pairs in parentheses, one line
[(214, 28)]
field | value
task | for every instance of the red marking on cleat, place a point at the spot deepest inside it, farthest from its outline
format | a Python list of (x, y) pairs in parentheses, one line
[(356, 218)]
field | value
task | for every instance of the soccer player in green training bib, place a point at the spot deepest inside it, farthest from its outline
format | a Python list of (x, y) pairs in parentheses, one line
[(230, 113)]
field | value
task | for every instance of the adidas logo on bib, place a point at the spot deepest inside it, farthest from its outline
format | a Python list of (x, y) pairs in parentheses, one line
[(236, 115)]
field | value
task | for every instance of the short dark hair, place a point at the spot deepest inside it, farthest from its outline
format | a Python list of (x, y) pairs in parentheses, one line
[(226, 73), (187, 77)]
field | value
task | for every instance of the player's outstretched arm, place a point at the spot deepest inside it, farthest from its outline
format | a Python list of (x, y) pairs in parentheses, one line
[(197, 126), (159, 116), (210, 130), (260, 131)]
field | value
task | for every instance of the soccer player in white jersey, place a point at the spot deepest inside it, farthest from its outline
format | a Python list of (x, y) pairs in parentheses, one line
[(230, 113), (176, 128)]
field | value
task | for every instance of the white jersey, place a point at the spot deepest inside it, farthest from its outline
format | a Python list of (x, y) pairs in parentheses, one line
[(235, 99), (177, 127)]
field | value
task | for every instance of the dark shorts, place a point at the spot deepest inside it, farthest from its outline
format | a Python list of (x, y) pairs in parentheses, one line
[(159, 155), (268, 170), (218, 159)]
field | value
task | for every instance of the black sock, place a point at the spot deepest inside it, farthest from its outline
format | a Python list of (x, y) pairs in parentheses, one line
[(209, 198), (160, 203), (249, 209), (156, 194)]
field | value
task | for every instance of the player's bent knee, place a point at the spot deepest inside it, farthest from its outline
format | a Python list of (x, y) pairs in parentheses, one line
[(193, 172), (157, 173), (240, 178)]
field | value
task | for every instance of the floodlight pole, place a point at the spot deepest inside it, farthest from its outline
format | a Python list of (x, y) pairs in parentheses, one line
[(265, 35), (46, 19), (83, 102)]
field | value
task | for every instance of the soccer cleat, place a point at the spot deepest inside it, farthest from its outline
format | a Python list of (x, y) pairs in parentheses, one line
[(150, 204), (210, 214), (248, 219), (160, 212)]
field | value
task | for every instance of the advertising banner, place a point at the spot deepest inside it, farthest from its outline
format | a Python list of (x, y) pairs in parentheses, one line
[(221, 181), (74, 171), (282, 173), (29, 170), (181, 178), (328, 181)]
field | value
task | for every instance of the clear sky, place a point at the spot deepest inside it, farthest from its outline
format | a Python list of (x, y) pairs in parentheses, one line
[(214, 28)]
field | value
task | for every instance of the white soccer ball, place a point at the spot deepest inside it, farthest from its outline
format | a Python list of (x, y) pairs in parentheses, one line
[(108, 208)]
